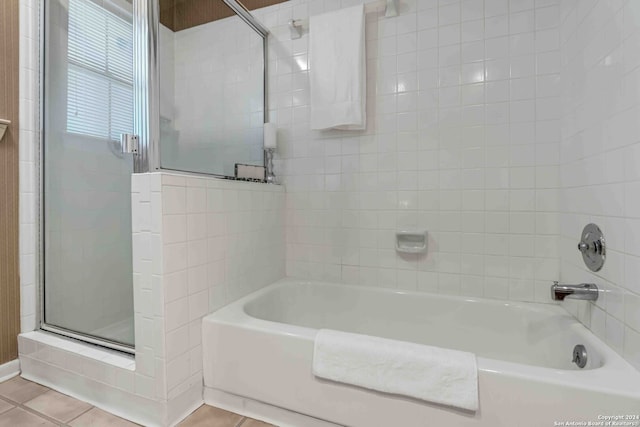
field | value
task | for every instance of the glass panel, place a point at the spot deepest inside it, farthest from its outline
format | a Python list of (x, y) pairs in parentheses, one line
[(211, 88), (88, 102)]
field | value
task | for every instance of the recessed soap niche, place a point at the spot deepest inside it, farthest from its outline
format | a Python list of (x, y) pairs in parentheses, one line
[(411, 241)]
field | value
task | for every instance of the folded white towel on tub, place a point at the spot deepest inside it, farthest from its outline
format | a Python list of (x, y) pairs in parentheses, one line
[(448, 377)]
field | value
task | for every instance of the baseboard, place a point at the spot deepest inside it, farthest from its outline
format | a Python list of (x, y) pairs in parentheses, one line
[(179, 407), (9, 370), (261, 411)]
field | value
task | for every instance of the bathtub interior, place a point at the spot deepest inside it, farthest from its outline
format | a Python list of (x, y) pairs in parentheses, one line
[(530, 334)]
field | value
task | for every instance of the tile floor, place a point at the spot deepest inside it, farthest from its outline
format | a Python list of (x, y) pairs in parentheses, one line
[(25, 403)]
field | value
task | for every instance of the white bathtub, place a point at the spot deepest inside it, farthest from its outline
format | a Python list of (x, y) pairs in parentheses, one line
[(258, 353)]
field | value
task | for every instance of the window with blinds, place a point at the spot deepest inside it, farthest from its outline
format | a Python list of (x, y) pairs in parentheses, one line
[(100, 71)]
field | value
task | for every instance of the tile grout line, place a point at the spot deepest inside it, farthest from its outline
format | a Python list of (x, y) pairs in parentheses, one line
[(79, 415), (31, 410), (8, 402), (40, 414), (241, 422)]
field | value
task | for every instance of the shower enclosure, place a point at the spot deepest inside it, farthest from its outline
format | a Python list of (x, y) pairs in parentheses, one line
[(86, 209), (189, 83)]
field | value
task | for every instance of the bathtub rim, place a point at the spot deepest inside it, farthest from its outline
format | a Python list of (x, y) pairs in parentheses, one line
[(615, 375)]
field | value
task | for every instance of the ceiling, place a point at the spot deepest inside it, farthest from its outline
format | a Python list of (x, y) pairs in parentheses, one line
[(182, 14)]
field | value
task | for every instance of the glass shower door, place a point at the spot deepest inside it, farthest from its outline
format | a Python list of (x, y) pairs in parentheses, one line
[(88, 103)]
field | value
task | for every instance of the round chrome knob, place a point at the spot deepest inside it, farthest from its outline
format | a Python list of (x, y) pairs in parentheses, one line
[(592, 247), (580, 356)]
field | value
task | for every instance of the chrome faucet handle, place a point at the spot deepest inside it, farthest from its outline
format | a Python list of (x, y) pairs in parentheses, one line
[(594, 247)]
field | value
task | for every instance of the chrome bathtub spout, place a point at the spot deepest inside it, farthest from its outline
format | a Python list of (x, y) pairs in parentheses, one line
[(584, 291)]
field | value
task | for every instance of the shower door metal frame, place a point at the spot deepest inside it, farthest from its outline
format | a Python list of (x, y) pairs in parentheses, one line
[(146, 19), (40, 239)]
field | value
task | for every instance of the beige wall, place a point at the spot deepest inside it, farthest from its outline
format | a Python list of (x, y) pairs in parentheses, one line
[(9, 276)]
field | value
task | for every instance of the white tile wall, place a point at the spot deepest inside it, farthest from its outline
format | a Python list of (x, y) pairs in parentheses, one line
[(600, 157), (150, 375), (213, 80), (199, 243), (221, 241), (462, 140), (29, 137)]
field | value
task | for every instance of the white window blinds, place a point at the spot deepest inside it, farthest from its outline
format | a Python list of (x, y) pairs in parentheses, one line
[(100, 73)]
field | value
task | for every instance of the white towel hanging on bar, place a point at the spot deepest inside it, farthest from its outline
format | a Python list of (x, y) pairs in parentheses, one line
[(390, 10), (337, 70)]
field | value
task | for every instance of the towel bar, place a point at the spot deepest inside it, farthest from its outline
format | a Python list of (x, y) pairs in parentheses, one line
[(391, 9)]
